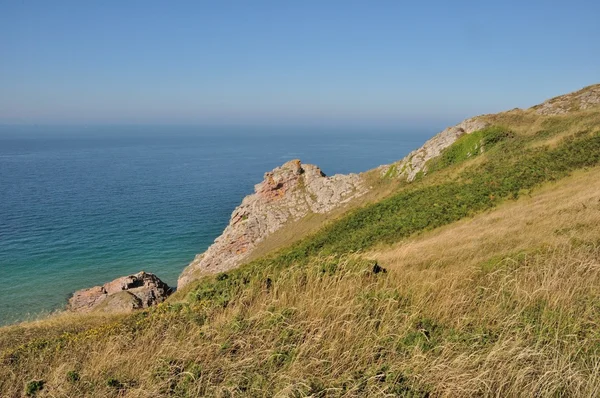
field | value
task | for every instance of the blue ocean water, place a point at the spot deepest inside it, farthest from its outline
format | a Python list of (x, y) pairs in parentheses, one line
[(80, 206)]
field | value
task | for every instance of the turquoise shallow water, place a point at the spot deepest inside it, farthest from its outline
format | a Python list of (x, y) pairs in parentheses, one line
[(82, 206)]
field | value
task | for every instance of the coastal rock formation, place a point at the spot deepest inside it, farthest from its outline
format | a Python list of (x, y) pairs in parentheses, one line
[(583, 99), (286, 194), (293, 190), (415, 161), (124, 294)]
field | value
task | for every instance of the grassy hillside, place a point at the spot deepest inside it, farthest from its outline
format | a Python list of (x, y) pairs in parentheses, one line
[(480, 278)]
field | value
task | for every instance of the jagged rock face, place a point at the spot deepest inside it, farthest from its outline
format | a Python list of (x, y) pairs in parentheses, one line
[(286, 194), (415, 162), (586, 98), (124, 294)]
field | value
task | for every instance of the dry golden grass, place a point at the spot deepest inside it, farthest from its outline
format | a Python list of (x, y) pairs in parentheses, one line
[(52, 325), (422, 331), (548, 129), (454, 316)]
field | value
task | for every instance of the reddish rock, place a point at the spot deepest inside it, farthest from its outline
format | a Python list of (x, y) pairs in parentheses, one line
[(124, 294), (286, 194)]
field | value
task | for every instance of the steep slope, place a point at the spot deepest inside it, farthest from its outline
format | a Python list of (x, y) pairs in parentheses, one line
[(293, 191), (478, 278), (287, 193), (513, 321), (558, 214), (416, 161)]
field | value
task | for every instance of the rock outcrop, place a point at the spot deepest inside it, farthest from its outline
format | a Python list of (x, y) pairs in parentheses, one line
[(124, 294), (286, 194), (415, 161), (583, 99)]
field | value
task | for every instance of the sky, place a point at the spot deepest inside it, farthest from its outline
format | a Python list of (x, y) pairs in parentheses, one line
[(288, 62)]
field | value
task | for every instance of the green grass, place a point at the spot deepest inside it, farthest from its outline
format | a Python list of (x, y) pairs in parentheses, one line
[(392, 171), (469, 146), (33, 387)]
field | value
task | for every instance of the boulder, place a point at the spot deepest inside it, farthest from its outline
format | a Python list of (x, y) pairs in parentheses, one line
[(124, 294)]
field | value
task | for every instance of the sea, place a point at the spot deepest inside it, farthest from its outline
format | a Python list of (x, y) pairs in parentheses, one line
[(82, 205)]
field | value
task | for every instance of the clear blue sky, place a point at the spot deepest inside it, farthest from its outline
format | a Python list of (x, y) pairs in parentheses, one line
[(289, 61)]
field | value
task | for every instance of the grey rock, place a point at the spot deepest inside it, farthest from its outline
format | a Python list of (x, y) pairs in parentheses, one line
[(415, 162), (583, 99)]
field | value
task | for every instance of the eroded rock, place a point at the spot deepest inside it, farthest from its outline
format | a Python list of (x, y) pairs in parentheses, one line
[(124, 294), (286, 193)]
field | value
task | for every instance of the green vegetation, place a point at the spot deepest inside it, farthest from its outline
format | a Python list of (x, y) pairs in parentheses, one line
[(468, 146), (73, 376), (33, 387), (392, 171)]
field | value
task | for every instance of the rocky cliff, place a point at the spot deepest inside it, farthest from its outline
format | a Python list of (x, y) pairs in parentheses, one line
[(294, 190), (286, 194)]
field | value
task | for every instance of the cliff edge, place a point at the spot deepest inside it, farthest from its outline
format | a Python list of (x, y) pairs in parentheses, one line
[(286, 194), (294, 190)]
